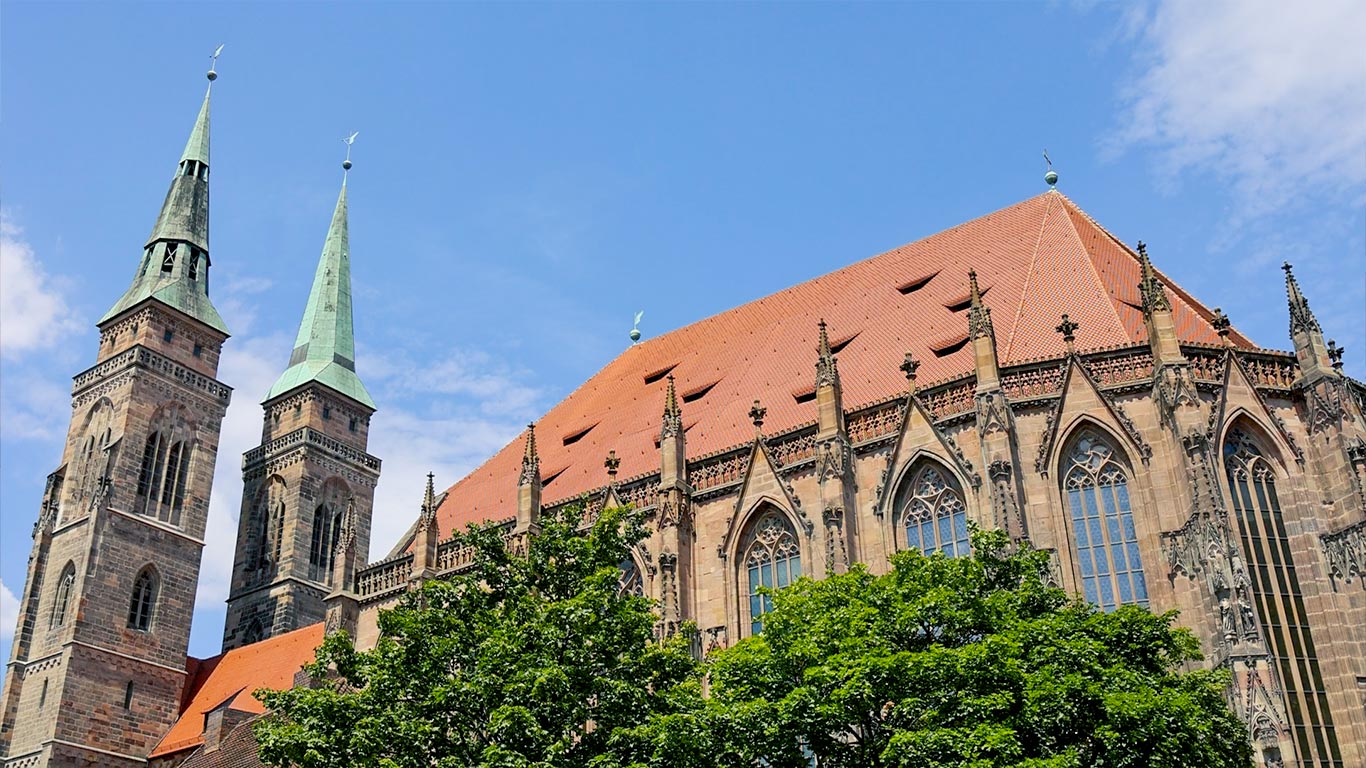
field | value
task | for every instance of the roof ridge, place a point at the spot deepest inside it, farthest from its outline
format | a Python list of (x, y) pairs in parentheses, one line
[(1068, 207), (1029, 275)]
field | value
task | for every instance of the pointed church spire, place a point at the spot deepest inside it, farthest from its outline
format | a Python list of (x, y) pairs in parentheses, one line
[(979, 316), (531, 460), (325, 348), (983, 338), (1157, 313), (1310, 350), (529, 485), (1301, 317), (827, 372), (428, 516), (829, 393), (1154, 295), (344, 552), (175, 262), (673, 415)]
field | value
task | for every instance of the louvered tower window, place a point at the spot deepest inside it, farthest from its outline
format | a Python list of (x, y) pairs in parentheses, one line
[(161, 481), (771, 558), (62, 600), (933, 514), (1280, 604), (1096, 487), (144, 600)]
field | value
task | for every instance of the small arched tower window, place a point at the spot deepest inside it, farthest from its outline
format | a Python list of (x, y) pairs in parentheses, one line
[(255, 633), (932, 513), (1096, 487), (165, 468), (770, 557), (144, 601), (62, 600), (630, 582)]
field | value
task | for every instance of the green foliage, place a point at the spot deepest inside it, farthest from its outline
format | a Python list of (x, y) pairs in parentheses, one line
[(525, 660), (970, 662)]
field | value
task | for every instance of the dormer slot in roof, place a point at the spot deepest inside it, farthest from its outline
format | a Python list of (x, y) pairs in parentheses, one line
[(551, 477), (911, 286), (805, 396), (698, 393), (660, 373), (963, 301), (577, 435), (835, 347), (946, 349)]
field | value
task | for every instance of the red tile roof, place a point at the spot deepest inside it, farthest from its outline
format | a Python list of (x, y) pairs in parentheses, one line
[(232, 677), (1035, 260)]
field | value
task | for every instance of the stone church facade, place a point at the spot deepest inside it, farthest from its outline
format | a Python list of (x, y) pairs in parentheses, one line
[(1025, 371)]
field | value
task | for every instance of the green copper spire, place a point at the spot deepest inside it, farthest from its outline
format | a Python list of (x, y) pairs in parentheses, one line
[(325, 349), (175, 261)]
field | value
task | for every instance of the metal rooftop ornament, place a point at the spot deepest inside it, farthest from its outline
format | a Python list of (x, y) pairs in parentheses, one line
[(1051, 176), (213, 63), (346, 164), (635, 327)]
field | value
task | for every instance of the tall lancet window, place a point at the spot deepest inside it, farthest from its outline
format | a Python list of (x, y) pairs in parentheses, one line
[(144, 601), (1096, 486), (1276, 586), (932, 513), (165, 470), (326, 531), (90, 460), (62, 601), (630, 582), (270, 527), (770, 557)]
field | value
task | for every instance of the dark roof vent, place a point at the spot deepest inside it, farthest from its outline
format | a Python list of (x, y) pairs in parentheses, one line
[(577, 435), (946, 349), (699, 393), (911, 286), (656, 375)]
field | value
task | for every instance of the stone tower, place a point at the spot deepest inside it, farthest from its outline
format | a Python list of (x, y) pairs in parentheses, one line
[(98, 662), (310, 466)]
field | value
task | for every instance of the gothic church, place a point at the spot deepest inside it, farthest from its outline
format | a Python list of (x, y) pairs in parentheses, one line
[(1024, 370)]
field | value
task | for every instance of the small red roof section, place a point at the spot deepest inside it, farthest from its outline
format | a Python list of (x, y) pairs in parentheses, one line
[(232, 677), (1041, 257)]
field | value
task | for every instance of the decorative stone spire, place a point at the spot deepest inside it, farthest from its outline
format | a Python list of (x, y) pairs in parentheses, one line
[(428, 516), (612, 464), (344, 555), (427, 536), (325, 347), (673, 415), (983, 338), (827, 372), (175, 260), (1305, 332), (756, 414), (829, 393), (1221, 325), (909, 366), (529, 485), (1154, 295)]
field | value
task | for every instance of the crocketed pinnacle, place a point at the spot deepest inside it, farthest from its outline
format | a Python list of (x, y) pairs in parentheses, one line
[(1301, 318), (531, 460), (827, 372), (325, 349), (1154, 295), (673, 414), (174, 268), (346, 539), (428, 516), (979, 316)]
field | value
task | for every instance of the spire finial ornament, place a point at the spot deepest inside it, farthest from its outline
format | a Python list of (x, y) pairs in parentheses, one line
[(673, 415), (1154, 296), (1221, 325), (1335, 354), (909, 366), (979, 316), (212, 74), (1301, 317), (1050, 176), (1068, 329), (827, 373), (531, 460), (635, 327), (613, 463), (429, 496), (346, 164), (756, 414)]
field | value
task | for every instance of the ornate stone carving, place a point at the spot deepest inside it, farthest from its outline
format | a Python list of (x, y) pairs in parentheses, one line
[(1005, 503), (836, 546), (993, 413), (1050, 433), (1346, 552)]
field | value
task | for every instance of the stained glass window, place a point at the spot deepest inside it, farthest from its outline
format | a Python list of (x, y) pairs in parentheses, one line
[(933, 514), (772, 558), (1097, 491), (144, 600)]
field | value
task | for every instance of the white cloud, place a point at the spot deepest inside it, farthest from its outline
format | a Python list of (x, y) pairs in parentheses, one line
[(33, 308), (33, 406), (1269, 96), (9, 613)]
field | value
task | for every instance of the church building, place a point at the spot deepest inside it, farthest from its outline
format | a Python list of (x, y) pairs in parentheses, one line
[(1025, 370)]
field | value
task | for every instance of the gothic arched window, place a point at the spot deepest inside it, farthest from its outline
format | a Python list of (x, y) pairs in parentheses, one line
[(255, 633), (932, 513), (1276, 589), (326, 530), (270, 525), (1096, 487), (90, 462), (770, 557), (62, 601), (144, 601), (630, 582), (165, 469)]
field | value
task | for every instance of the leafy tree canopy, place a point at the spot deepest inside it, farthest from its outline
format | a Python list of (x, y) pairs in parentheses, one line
[(526, 659), (969, 662)]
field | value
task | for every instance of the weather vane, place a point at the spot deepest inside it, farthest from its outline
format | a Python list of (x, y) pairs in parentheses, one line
[(213, 63), (635, 327), (346, 164), (1051, 176)]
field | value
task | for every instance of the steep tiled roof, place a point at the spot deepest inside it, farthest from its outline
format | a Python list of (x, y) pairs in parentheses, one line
[(1036, 260), (239, 749), (232, 677)]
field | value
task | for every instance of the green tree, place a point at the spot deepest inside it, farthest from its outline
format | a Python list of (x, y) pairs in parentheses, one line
[(531, 659), (968, 662)]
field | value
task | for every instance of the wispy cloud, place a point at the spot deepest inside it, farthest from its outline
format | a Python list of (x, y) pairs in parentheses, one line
[(9, 613), (34, 313), (1270, 96)]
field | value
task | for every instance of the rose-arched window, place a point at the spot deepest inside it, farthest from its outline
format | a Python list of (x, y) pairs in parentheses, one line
[(1096, 487), (770, 557), (1280, 604), (932, 513)]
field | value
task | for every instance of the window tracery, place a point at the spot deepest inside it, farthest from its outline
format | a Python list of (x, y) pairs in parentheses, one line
[(1096, 487), (144, 600), (165, 468), (771, 557), (933, 514), (630, 581), (326, 531)]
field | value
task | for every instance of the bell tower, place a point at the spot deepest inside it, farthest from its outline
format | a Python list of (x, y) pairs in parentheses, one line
[(310, 467), (98, 662)]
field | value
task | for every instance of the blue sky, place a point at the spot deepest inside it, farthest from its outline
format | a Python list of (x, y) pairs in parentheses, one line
[(528, 176)]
